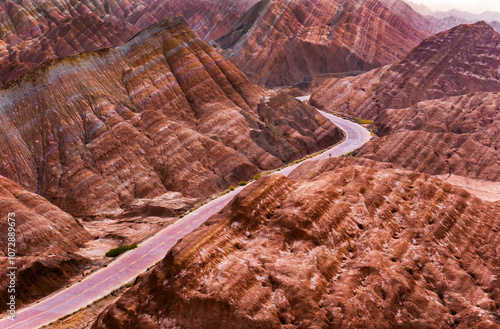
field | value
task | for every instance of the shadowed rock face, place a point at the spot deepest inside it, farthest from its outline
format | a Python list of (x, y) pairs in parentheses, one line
[(280, 42), (462, 60), (164, 112), (456, 135), (341, 243), (33, 32), (47, 238)]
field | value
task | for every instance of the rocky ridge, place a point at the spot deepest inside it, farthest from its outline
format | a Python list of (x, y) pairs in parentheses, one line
[(462, 60), (164, 112), (280, 42), (33, 32), (347, 242), (455, 135)]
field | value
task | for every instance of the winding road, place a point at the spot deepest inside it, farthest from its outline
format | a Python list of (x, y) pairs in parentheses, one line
[(129, 265)]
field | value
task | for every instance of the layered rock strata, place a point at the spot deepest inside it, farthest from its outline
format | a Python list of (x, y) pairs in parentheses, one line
[(33, 32), (164, 112), (462, 60), (455, 135), (341, 243), (46, 241), (280, 42)]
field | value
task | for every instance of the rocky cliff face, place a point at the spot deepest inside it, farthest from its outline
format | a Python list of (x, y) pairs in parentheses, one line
[(457, 135), (164, 112), (462, 60), (280, 42), (47, 239), (33, 32), (341, 243)]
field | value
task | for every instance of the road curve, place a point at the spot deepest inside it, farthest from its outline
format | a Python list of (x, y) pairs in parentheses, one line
[(129, 265)]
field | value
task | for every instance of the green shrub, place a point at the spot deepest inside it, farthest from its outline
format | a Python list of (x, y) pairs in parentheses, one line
[(257, 176), (365, 122), (242, 183), (120, 250), (231, 188)]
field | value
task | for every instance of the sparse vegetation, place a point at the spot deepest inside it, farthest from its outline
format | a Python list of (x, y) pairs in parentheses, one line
[(120, 250), (365, 122), (257, 176), (231, 188), (242, 183)]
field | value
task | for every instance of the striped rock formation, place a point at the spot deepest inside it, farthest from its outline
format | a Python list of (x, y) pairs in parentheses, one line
[(47, 239), (33, 32), (280, 42), (454, 135), (164, 112), (462, 60), (342, 243)]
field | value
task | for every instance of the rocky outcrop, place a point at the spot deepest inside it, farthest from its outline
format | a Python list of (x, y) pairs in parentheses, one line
[(164, 112), (462, 60), (280, 42), (33, 32), (456, 135), (341, 243), (46, 241)]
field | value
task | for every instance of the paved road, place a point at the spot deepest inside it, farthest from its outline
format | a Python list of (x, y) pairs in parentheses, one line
[(126, 267)]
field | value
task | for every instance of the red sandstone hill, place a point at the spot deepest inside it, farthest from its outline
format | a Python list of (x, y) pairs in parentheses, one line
[(47, 238), (462, 60), (455, 135), (164, 112), (280, 42), (342, 243), (33, 32)]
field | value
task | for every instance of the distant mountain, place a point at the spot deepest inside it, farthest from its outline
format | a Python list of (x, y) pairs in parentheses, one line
[(405, 11), (487, 16), (280, 42), (447, 20), (462, 60), (419, 7)]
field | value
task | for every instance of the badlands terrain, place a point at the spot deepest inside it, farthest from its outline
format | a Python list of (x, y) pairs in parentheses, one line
[(118, 118), (436, 110), (100, 134), (33, 32)]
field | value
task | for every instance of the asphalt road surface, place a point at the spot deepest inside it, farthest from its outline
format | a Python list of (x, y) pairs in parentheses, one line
[(129, 265)]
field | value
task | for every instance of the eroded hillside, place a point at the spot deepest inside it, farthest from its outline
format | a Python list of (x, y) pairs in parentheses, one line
[(341, 243)]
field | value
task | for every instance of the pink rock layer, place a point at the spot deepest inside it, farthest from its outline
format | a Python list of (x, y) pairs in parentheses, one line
[(462, 60), (33, 32), (164, 112), (342, 243), (46, 241), (280, 42)]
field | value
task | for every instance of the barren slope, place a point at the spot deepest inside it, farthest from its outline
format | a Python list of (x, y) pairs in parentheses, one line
[(343, 243), (280, 42), (462, 60), (456, 135), (164, 112), (47, 239), (33, 31)]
